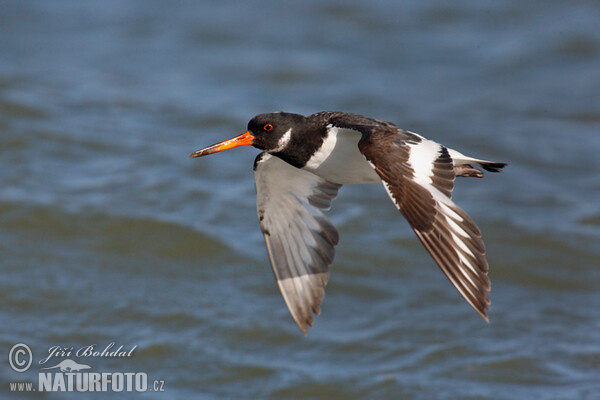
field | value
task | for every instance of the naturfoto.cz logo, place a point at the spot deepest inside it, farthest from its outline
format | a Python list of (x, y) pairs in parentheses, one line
[(68, 375)]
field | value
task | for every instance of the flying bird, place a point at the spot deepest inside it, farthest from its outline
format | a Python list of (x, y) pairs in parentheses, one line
[(303, 164)]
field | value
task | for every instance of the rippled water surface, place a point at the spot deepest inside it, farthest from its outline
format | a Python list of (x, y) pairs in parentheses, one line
[(110, 233)]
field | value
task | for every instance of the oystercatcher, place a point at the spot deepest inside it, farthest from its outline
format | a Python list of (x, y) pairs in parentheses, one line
[(303, 164)]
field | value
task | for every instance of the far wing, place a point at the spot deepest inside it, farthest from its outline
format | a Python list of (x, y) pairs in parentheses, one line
[(418, 174), (300, 239)]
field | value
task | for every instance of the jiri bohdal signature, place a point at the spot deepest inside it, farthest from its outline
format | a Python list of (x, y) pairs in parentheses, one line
[(91, 350)]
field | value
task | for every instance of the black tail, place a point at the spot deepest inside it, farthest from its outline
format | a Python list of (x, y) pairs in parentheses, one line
[(492, 166)]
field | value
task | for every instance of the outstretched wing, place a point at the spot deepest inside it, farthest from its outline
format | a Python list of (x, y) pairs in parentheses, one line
[(300, 239), (418, 174)]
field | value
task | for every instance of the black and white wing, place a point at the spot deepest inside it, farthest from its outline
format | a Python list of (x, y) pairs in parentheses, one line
[(418, 174), (300, 239)]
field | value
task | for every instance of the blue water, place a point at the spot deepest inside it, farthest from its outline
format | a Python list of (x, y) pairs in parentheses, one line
[(110, 233)]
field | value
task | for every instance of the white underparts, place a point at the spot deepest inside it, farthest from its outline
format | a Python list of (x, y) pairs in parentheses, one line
[(340, 161)]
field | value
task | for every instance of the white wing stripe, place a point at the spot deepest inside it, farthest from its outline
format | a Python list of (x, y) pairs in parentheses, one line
[(459, 242), (450, 212), (421, 158), (457, 228)]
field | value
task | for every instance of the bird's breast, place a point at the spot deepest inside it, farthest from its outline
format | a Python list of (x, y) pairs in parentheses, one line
[(340, 161)]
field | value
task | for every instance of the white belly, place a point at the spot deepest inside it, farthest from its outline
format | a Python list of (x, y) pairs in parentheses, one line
[(339, 160)]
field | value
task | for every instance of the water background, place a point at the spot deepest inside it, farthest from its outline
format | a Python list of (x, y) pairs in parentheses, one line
[(110, 233)]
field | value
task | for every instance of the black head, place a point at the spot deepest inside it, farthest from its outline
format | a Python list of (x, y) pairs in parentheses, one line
[(289, 136), (272, 132)]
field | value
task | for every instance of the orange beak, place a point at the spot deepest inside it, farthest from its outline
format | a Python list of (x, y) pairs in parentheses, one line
[(241, 140)]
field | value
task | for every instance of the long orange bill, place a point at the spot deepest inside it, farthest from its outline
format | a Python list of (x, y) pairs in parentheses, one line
[(241, 140)]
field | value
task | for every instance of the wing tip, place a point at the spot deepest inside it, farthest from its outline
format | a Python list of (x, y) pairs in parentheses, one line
[(304, 324), (481, 302), (302, 309), (485, 317), (483, 310), (303, 328)]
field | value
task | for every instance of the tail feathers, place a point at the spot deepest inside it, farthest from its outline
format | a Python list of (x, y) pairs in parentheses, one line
[(463, 165), (467, 170), (491, 166)]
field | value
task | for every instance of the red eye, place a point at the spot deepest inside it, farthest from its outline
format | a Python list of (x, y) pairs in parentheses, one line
[(268, 127)]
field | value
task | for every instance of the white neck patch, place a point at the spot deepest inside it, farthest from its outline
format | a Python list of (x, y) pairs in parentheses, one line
[(283, 141), (326, 149)]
